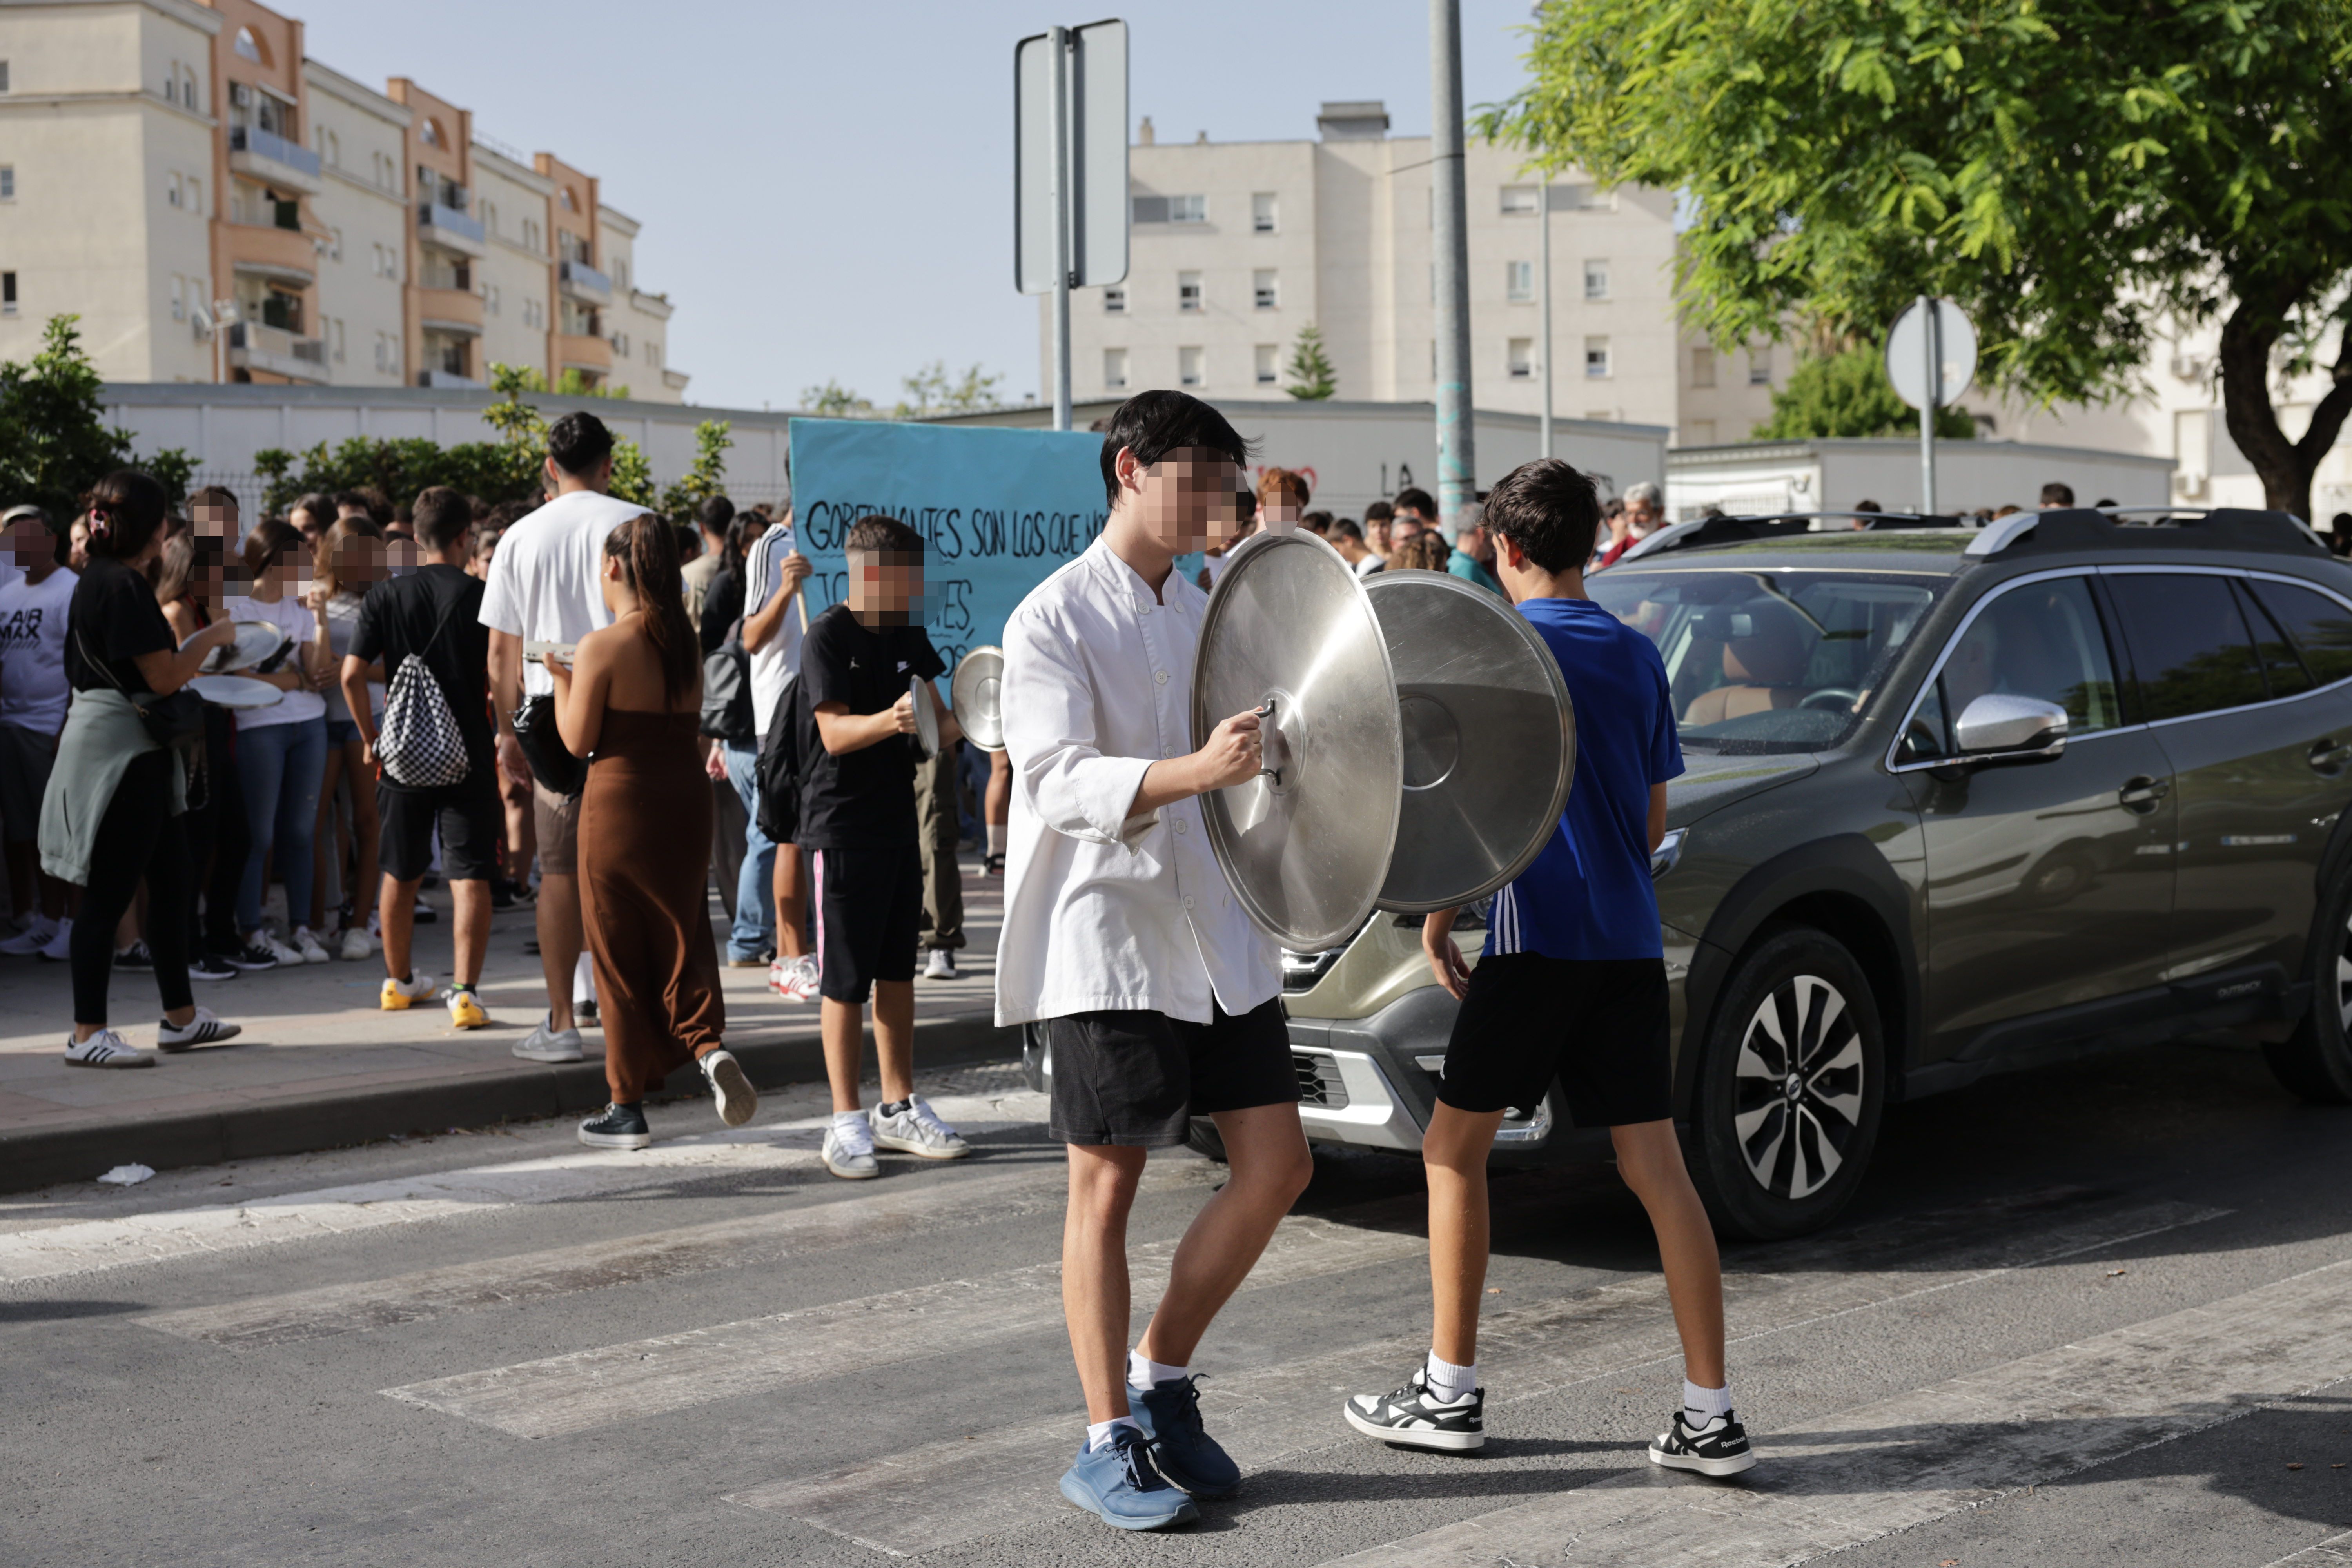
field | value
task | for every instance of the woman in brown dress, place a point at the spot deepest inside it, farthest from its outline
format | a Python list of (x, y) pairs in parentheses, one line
[(629, 701)]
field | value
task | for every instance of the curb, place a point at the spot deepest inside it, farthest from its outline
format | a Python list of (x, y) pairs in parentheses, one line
[(304, 1123)]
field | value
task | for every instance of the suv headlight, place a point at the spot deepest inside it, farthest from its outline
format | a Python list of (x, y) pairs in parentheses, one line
[(1300, 971), (1669, 851)]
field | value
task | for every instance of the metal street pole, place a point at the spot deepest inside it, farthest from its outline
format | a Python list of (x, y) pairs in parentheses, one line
[(1063, 187), (1457, 456), (1543, 215), (1933, 364)]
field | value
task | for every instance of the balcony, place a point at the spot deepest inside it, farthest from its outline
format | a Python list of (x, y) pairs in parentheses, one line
[(456, 312), (575, 352), (265, 155), (450, 229), (277, 352), (448, 380), (580, 281), (282, 255)]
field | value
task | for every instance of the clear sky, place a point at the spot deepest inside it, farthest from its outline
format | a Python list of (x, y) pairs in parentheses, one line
[(826, 190)]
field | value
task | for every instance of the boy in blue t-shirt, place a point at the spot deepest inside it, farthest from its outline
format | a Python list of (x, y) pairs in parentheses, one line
[(1572, 983)]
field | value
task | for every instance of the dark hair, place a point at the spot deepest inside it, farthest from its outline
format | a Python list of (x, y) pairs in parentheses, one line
[(1418, 501), (1153, 424), (1378, 511), (1867, 506), (271, 538), (1549, 510), (326, 554), (507, 513), (1426, 550), (741, 533), (352, 500), (1316, 521), (441, 516), (2057, 493), (888, 534), (1245, 499), (578, 442), (714, 513), (126, 510), (211, 495), (1346, 528), (486, 541), (647, 552), (319, 504)]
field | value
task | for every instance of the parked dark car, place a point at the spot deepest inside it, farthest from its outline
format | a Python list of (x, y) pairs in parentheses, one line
[(1957, 800)]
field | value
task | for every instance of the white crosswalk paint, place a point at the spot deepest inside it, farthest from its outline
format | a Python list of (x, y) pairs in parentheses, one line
[(2336, 1552), (91, 1245), (594, 1388), (1874, 1471), (964, 1489)]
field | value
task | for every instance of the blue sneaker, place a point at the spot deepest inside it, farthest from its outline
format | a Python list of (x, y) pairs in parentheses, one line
[(1171, 1416), (1118, 1485)]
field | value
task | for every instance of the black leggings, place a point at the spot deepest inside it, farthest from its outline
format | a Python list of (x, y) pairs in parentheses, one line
[(139, 837), (216, 839)]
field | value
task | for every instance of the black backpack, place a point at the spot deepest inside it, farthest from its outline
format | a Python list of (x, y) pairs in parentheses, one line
[(778, 770), (727, 690)]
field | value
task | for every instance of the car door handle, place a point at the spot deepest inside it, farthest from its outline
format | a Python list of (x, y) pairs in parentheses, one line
[(2328, 756), (2141, 794)]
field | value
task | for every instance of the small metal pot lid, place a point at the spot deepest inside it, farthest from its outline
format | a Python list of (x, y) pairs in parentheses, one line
[(926, 718), (1489, 739), (975, 695), (1306, 845)]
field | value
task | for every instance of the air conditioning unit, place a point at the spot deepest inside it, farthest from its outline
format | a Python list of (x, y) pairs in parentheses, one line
[(240, 94), (2190, 486), (2189, 367)]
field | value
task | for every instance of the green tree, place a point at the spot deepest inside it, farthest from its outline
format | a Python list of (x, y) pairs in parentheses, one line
[(1312, 379), (54, 442), (707, 477), (834, 401), (935, 392), (1847, 393), (2078, 175)]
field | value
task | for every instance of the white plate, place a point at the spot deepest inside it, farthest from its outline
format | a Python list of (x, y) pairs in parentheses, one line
[(256, 640), (236, 690)]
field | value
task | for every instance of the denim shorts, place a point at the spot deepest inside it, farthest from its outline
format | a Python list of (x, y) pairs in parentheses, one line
[(342, 732)]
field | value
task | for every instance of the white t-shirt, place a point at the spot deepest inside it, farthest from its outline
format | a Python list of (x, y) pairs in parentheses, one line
[(777, 660), (293, 617), (544, 579), (33, 649)]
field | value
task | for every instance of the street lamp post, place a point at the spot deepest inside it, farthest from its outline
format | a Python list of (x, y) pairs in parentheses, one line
[(1456, 471)]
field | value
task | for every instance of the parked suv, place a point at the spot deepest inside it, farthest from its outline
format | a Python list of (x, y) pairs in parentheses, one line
[(1957, 800)]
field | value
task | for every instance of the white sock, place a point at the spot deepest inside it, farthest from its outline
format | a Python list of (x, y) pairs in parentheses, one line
[(1141, 1374), (843, 1121), (996, 839), (1448, 1381), (1701, 1405), (584, 981), (1098, 1432)]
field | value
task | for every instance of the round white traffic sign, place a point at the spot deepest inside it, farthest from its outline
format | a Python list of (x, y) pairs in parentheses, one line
[(1908, 353)]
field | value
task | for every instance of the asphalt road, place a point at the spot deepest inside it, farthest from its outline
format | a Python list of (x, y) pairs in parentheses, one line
[(2094, 1313)]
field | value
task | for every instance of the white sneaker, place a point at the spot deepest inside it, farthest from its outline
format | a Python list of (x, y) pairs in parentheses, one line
[(942, 966), (355, 945), (105, 1048), (793, 979), (308, 946), (731, 1087), (917, 1130), (849, 1151), (546, 1045), (59, 949), (268, 941), (36, 936), (201, 1030)]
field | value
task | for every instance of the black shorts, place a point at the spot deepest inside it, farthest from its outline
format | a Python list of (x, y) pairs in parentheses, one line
[(1134, 1079), (870, 908), (1599, 1025), (472, 820)]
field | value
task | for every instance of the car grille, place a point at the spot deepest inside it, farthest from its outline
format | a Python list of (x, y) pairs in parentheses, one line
[(1318, 1080)]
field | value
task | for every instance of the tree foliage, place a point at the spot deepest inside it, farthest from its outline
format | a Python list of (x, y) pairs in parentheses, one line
[(2081, 176), (931, 390), (1847, 393), (834, 401), (1312, 378), (54, 443)]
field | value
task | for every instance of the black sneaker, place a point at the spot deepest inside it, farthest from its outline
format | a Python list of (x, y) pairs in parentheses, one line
[(425, 914), (135, 958), (501, 894), (1416, 1418), (1718, 1449), (585, 1013), (206, 966), (254, 954), (617, 1127)]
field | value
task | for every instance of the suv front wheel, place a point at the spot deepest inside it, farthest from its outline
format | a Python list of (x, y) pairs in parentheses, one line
[(1789, 1088), (2316, 1060)]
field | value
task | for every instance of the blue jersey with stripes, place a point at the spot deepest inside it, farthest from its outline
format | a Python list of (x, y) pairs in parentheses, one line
[(1588, 894)]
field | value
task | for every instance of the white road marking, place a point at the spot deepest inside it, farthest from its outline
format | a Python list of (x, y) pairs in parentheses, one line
[(2327, 1553), (91, 1245), (963, 1489), (1874, 1471), (594, 1388)]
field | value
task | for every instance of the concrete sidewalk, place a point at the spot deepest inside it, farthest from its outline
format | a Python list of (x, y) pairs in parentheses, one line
[(319, 1065)]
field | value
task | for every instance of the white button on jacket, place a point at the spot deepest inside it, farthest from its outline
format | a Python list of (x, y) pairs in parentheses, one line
[(1102, 911)]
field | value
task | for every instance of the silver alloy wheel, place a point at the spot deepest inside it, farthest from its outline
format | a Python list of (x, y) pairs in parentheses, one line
[(1796, 1094), (2344, 980)]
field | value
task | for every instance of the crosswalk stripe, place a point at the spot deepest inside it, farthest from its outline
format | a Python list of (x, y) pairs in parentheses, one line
[(2332, 1553), (960, 1489), (593, 1388), (787, 1147), (1861, 1474)]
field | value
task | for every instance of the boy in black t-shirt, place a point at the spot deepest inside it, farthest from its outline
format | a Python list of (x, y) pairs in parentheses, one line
[(863, 665)]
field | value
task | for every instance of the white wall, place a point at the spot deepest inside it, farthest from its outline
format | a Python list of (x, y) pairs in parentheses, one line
[(353, 296), (1831, 475)]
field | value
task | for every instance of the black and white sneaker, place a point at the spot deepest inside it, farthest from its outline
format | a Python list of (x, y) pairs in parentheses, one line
[(1416, 1418), (1718, 1449), (208, 966), (135, 958), (617, 1127), (253, 955), (204, 1029)]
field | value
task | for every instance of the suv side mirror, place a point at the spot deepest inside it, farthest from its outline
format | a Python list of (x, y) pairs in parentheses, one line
[(2000, 727)]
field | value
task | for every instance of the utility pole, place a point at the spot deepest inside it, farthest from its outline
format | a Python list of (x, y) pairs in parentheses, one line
[(1931, 383), (1456, 453), (1543, 217)]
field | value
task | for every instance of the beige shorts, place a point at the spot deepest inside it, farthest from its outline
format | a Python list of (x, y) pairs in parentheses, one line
[(556, 818)]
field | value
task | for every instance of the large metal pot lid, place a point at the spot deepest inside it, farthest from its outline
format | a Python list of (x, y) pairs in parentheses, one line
[(976, 694), (1307, 846), (1489, 739)]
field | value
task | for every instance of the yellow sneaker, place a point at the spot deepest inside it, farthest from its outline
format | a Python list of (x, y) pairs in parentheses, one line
[(399, 996), (465, 1012)]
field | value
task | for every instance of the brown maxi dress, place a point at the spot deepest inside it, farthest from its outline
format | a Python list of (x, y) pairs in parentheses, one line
[(644, 837)]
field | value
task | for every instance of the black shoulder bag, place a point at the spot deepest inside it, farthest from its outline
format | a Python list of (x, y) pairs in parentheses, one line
[(176, 722), (551, 762)]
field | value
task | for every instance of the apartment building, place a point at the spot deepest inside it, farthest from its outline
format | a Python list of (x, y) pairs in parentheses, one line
[(1237, 245), (216, 206)]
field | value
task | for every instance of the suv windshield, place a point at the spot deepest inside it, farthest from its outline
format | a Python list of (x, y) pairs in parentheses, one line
[(1769, 660)]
